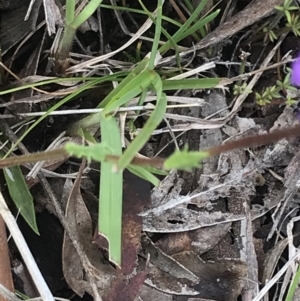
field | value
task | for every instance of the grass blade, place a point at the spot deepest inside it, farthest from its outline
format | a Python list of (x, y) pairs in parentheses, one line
[(151, 124), (133, 74), (88, 10), (199, 24), (178, 35), (144, 174), (21, 195), (111, 192), (132, 89), (156, 35), (193, 83)]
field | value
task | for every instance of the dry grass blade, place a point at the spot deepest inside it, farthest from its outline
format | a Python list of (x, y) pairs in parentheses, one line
[(24, 251), (90, 63)]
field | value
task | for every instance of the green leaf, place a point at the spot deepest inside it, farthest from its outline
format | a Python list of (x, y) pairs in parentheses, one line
[(200, 24), (70, 11), (111, 191), (156, 171), (185, 160), (96, 152), (155, 118), (144, 174), (88, 10), (201, 83), (21, 195), (157, 34), (120, 94), (122, 85), (132, 89), (293, 285), (178, 36)]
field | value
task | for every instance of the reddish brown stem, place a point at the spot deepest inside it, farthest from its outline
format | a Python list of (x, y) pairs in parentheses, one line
[(256, 140), (33, 158), (262, 139)]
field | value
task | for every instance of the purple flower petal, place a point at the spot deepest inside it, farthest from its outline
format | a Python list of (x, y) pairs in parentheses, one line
[(295, 78), (298, 115)]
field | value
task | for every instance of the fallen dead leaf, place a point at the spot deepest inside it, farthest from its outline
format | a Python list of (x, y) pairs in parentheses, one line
[(198, 241), (271, 261), (79, 218), (221, 280)]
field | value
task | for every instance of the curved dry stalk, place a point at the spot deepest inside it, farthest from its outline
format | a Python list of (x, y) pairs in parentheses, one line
[(33, 269)]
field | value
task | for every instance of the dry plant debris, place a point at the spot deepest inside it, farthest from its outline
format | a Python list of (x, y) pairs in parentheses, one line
[(220, 232)]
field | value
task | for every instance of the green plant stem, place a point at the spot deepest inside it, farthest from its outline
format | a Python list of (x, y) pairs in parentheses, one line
[(293, 285), (88, 10), (71, 25), (70, 11), (65, 44)]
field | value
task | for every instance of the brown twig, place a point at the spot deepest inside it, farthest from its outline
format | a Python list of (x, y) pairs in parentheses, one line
[(256, 140)]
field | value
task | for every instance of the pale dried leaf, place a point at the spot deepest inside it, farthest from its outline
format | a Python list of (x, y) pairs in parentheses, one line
[(52, 15), (270, 263), (166, 263), (148, 293), (79, 218), (166, 283)]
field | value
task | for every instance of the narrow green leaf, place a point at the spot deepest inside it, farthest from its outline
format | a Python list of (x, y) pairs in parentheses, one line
[(21, 195), (178, 35), (198, 25), (163, 31), (121, 91), (157, 34), (122, 85), (156, 171), (145, 133), (132, 89), (88, 10), (193, 83), (293, 285), (144, 174), (111, 191)]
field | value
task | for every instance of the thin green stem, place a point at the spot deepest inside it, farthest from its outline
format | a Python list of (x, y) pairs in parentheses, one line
[(156, 35), (89, 9), (65, 44), (70, 11)]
